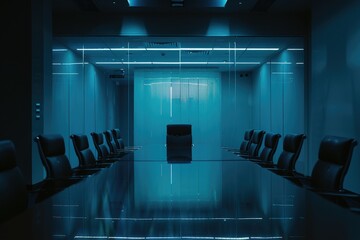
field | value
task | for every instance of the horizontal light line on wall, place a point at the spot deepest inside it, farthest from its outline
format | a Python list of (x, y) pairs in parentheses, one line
[(174, 237), (58, 73), (300, 63), (177, 49), (178, 63), (181, 219), (128, 49), (280, 63), (59, 50), (262, 49), (176, 83), (229, 49), (295, 49), (67, 64)]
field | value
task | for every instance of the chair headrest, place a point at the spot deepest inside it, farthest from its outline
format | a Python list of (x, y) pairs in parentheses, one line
[(81, 141), (248, 134), (271, 139), (7, 155), (52, 144), (107, 134), (336, 149), (292, 142), (257, 136), (178, 129), (116, 133), (98, 137)]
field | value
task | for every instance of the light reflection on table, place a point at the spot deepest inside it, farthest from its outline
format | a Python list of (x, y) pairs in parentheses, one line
[(216, 195)]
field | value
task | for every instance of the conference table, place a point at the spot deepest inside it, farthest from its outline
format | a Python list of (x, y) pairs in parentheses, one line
[(208, 194)]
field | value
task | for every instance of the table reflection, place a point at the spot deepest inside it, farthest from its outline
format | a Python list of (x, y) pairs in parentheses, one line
[(214, 196)]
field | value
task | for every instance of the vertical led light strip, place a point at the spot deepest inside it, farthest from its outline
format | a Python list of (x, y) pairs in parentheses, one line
[(170, 174), (171, 92)]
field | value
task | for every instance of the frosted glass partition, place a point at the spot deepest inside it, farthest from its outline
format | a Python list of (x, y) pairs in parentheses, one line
[(170, 96)]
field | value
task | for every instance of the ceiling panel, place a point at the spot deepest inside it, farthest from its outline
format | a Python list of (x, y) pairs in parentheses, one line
[(201, 51)]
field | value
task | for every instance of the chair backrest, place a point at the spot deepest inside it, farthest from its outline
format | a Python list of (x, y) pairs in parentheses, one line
[(110, 141), (255, 143), (101, 148), (52, 153), (13, 192), (270, 146), (334, 158), (178, 135), (83, 152), (117, 138), (245, 144), (292, 146)]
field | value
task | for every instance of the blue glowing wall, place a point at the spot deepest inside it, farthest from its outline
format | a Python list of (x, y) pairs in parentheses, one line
[(278, 103), (80, 99), (334, 90), (236, 102), (165, 96)]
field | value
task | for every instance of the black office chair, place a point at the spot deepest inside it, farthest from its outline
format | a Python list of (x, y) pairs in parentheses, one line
[(255, 144), (178, 135), (117, 138), (119, 141), (103, 153), (245, 144), (13, 191), (57, 165), (292, 146), (112, 145), (285, 165), (84, 154), (267, 153), (179, 143), (333, 162)]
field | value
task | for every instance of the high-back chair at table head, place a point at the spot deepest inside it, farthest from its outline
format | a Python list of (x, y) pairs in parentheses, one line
[(13, 191), (178, 135)]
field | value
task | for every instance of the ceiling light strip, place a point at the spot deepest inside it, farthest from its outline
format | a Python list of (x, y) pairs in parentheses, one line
[(174, 237), (295, 49), (177, 49), (262, 49), (177, 63)]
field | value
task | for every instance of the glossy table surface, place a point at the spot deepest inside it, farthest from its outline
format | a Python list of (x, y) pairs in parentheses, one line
[(213, 195)]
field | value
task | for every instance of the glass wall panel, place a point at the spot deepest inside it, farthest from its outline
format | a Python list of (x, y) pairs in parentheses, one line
[(221, 85), (169, 96)]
